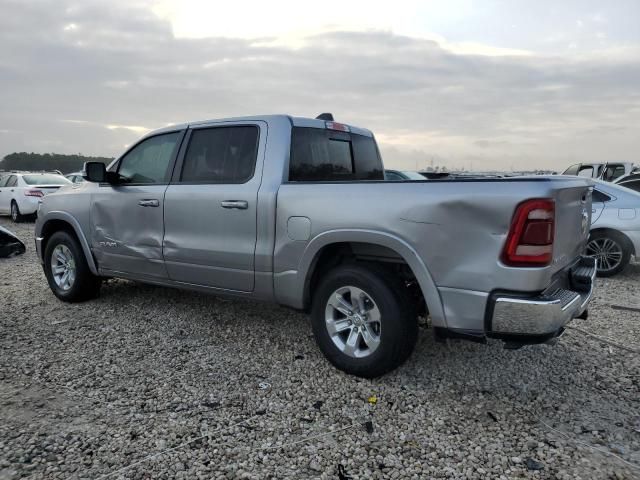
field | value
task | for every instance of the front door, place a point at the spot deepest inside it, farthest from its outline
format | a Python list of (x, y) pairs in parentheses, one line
[(210, 207), (127, 216)]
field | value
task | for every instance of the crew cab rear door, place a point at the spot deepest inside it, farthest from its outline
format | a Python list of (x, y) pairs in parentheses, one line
[(211, 204), (127, 216)]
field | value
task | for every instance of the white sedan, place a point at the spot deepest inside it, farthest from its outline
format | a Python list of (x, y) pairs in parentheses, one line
[(21, 192), (615, 227)]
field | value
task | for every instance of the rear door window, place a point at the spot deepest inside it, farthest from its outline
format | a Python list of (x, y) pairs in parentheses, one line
[(221, 155), (612, 172), (326, 155)]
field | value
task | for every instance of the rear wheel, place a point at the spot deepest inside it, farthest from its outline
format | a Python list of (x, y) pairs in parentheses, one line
[(16, 216), (611, 251), (363, 320), (67, 271)]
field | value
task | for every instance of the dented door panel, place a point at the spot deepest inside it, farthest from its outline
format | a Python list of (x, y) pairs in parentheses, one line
[(127, 229)]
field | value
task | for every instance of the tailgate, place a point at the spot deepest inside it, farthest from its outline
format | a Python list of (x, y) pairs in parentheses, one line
[(573, 219)]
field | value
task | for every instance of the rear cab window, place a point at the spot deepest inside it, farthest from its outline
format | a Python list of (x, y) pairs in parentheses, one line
[(325, 155)]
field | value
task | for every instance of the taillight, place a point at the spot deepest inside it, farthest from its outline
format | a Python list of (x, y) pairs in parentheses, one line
[(530, 238), (34, 193)]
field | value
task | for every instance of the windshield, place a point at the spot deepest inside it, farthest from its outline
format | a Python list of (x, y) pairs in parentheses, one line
[(45, 179)]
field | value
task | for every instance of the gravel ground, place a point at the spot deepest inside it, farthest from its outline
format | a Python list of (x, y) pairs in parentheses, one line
[(239, 390)]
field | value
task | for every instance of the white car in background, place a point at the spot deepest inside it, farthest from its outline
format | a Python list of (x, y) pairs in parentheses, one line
[(608, 171), (615, 227), (75, 177), (20, 192)]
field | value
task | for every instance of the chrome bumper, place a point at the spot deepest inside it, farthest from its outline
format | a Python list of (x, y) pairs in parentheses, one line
[(549, 312)]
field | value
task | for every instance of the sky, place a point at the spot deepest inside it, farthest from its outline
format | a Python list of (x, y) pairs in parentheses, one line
[(482, 85)]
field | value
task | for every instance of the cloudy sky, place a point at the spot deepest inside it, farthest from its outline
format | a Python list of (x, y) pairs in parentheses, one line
[(462, 83)]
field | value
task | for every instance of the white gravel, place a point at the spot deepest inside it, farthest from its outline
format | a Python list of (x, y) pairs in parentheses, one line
[(88, 389)]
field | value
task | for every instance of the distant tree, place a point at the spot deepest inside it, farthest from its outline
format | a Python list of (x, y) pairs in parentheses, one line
[(47, 161)]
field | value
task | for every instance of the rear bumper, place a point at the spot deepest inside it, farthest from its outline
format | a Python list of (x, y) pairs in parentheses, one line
[(543, 315), (28, 205)]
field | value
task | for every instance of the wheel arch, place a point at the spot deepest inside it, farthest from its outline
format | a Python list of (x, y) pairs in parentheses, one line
[(368, 245), (630, 244), (61, 221)]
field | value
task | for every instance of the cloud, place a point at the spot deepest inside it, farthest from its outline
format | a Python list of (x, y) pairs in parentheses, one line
[(120, 70)]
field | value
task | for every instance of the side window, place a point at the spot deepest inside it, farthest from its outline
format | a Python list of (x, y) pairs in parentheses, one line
[(221, 155), (12, 181), (149, 161), (3, 181), (325, 155), (392, 176), (598, 196), (613, 172), (586, 172), (572, 170)]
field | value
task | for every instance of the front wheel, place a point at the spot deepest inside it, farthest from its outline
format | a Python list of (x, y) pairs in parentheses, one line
[(363, 320), (611, 251), (67, 271)]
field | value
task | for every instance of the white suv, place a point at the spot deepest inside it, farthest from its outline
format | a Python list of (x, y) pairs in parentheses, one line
[(21, 192)]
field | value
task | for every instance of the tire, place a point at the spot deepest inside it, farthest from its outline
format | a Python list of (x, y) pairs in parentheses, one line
[(391, 340), (80, 284), (611, 250), (16, 216)]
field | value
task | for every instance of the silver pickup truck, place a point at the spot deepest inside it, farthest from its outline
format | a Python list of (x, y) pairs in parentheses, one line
[(296, 211)]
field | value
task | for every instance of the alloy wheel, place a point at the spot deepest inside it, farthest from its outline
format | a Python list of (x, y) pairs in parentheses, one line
[(607, 252), (63, 267), (353, 322)]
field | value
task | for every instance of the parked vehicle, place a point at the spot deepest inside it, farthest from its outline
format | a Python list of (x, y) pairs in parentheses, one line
[(631, 181), (603, 171), (20, 192), (400, 175), (615, 227), (75, 177), (306, 220)]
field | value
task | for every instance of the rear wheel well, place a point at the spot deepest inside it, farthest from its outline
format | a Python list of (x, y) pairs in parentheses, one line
[(330, 256), (629, 243)]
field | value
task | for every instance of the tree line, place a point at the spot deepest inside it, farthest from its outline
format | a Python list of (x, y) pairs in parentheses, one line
[(47, 161)]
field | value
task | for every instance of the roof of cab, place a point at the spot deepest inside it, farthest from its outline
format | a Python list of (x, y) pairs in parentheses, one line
[(295, 121)]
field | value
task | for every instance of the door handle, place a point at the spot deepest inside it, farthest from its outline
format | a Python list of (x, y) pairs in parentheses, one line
[(239, 204), (149, 203)]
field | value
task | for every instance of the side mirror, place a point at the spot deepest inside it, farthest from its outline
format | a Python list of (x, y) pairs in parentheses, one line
[(94, 172)]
